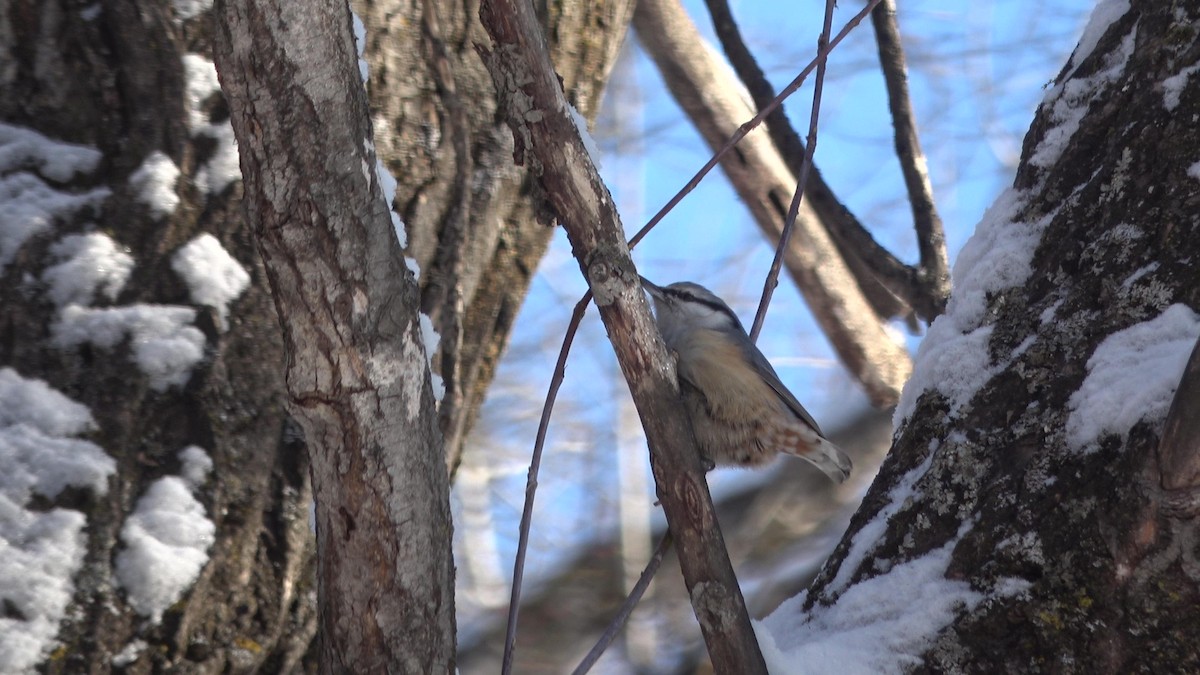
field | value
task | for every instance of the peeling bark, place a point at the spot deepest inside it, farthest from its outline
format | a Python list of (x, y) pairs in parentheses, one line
[(356, 373)]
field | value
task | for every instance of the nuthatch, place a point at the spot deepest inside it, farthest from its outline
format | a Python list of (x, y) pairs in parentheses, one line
[(740, 411)]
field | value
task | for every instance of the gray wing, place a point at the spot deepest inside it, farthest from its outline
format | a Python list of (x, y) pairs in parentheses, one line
[(770, 377)]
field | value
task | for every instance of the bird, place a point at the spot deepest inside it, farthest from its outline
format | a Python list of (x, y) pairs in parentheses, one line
[(740, 411)]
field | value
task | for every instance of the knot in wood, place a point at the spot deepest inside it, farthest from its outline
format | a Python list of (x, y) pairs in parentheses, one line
[(605, 276), (711, 601), (693, 500)]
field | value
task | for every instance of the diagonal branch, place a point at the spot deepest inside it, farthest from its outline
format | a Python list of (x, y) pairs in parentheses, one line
[(872, 264), (931, 239), (707, 92), (886, 281), (631, 601), (789, 223), (532, 101)]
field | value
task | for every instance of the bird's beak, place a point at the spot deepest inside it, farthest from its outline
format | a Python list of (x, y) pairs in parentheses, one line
[(650, 286)]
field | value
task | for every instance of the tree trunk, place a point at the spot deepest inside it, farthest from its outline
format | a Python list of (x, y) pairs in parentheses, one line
[(477, 227), (1023, 489), (357, 377), (114, 76)]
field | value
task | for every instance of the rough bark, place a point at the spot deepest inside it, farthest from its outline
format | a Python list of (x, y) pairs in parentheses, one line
[(356, 373), (116, 82), (473, 216), (1103, 547), (110, 75)]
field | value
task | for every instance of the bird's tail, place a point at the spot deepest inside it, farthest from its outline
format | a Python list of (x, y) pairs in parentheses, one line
[(827, 457), (799, 439)]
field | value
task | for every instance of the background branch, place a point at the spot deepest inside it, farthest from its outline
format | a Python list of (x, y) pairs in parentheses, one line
[(934, 270), (708, 94), (889, 284), (789, 222), (885, 280)]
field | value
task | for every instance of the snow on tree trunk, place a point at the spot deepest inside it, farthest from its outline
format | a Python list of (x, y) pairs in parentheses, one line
[(1020, 522), (138, 330)]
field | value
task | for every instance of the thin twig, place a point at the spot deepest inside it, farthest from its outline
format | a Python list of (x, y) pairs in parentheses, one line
[(754, 122), (931, 239), (556, 380), (886, 281), (635, 596), (790, 222)]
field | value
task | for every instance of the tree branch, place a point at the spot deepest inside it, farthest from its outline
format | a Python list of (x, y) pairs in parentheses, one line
[(545, 134), (535, 464), (884, 279), (707, 93), (622, 615), (934, 271), (789, 223)]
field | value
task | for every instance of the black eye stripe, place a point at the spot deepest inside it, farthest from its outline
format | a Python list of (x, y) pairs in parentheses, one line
[(678, 294)]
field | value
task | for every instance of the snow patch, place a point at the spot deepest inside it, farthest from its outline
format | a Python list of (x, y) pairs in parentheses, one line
[(90, 263), (1193, 171), (38, 405), (155, 184), (1070, 99), (1174, 85), (196, 465), (41, 553), (1141, 272), (186, 9), (40, 550), (222, 166), (589, 143), (1105, 14), (868, 536), (880, 625), (24, 149), (387, 184), (29, 203), (430, 339), (200, 77), (129, 654), (213, 277), (1132, 376), (953, 358), (165, 347), (360, 45), (35, 461), (166, 541)]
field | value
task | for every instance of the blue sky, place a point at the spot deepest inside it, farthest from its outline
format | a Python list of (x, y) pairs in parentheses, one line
[(977, 72)]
